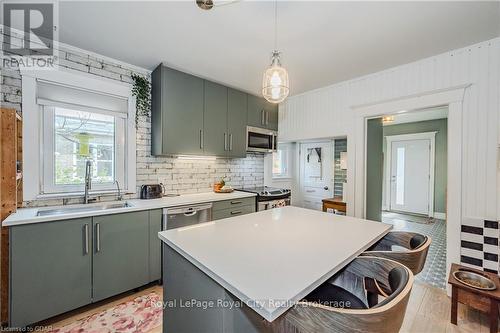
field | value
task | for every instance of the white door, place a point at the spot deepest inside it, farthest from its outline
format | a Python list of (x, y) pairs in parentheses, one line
[(316, 173), (410, 176)]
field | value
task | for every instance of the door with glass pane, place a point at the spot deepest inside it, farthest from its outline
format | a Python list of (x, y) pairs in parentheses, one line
[(410, 176), (316, 173)]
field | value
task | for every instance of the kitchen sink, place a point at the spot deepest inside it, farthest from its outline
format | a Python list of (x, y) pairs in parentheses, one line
[(83, 208)]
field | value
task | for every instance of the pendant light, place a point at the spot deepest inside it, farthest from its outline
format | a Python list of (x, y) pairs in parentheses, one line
[(275, 85)]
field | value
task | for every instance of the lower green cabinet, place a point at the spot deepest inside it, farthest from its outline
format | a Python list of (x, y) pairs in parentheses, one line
[(121, 253), (231, 212), (231, 208), (155, 217), (50, 269), (59, 266)]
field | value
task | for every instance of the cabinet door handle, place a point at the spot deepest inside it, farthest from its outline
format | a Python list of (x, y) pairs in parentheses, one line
[(230, 142), (86, 238), (262, 117), (235, 202), (225, 141), (267, 117), (236, 212), (201, 139), (97, 237)]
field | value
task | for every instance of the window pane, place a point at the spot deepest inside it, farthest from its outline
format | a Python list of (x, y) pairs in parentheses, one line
[(80, 136), (278, 163), (400, 176)]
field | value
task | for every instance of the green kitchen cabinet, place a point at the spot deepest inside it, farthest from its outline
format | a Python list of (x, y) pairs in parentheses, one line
[(232, 212), (176, 112), (236, 123), (155, 217), (261, 113), (271, 116), (231, 208), (50, 269), (120, 253), (256, 116), (216, 136)]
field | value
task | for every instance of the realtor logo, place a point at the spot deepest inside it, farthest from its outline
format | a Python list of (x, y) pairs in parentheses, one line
[(29, 34)]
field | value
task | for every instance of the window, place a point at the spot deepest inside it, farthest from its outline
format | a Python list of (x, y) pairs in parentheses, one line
[(71, 137), (68, 119), (281, 162)]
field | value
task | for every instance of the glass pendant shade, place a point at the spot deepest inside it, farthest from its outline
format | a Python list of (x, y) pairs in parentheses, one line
[(275, 85)]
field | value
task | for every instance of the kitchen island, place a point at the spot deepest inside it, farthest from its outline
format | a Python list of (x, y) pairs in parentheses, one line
[(242, 274)]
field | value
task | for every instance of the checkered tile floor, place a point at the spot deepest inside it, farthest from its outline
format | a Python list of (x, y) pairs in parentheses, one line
[(434, 272)]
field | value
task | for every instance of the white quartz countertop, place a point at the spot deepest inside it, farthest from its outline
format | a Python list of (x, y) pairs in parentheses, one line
[(272, 259), (29, 215)]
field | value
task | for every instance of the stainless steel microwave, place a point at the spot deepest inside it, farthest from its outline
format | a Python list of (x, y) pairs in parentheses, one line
[(261, 140)]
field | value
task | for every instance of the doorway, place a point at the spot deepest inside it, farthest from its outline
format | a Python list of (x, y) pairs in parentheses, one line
[(316, 173), (410, 188)]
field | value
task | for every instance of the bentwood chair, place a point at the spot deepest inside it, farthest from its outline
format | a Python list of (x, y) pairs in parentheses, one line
[(412, 252), (341, 304)]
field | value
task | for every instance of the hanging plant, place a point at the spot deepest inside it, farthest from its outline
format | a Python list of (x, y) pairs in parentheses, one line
[(142, 92)]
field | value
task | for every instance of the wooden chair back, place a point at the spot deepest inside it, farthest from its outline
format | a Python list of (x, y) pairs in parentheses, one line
[(387, 318), (414, 259)]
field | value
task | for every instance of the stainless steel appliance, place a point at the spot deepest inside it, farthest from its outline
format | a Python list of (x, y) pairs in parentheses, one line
[(178, 217), (151, 191), (261, 140), (270, 197)]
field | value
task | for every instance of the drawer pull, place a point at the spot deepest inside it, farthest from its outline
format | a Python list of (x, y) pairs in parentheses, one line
[(98, 237), (236, 202), (86, 238), (236, 212), (310, 191)]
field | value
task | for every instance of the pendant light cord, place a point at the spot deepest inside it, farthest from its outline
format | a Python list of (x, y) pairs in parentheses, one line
[(276, 25)]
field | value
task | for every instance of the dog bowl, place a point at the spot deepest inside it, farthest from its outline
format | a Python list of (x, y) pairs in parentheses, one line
[(474, 280)]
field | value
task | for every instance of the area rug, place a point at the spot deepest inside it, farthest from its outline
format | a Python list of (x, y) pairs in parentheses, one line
[(140, 315)]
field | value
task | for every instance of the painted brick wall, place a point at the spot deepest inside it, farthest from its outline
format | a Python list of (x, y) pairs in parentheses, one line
[(179, 176)]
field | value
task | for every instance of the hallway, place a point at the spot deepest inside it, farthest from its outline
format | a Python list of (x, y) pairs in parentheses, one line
[(434, 272)]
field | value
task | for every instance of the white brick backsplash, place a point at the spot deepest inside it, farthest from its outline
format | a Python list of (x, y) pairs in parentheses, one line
[(179, 176)]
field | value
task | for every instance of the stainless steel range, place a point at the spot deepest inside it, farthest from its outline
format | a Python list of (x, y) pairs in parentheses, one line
[(270, 197)]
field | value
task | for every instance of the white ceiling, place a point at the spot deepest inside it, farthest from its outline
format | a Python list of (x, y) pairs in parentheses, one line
[(420, 115), (322, 42)]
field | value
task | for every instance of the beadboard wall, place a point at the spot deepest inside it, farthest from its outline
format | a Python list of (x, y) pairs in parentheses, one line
[(327, 112), (179, 176)]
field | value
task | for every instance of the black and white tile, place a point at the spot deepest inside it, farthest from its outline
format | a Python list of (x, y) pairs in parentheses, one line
[(479, 244)]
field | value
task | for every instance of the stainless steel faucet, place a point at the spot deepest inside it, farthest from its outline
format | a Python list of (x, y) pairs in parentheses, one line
[(88, 180), (120, 197)]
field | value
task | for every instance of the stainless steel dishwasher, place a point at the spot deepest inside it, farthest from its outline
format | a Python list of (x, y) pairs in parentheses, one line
[(178, 217)]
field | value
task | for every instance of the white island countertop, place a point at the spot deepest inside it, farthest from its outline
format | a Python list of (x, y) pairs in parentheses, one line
[(29, 215), (273, 258)]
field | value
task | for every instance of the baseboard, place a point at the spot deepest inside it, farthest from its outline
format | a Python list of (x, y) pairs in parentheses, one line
[(440, 216)]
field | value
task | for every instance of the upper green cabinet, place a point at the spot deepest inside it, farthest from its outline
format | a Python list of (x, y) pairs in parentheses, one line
[(215, 120), (177, 113), (193, 116), (261, 113), (236, 123)]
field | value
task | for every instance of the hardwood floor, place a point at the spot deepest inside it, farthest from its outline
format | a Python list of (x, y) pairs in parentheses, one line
[(428, 311)]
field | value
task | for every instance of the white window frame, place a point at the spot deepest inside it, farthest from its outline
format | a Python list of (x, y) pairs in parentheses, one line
[(33, 150), (287, 153)]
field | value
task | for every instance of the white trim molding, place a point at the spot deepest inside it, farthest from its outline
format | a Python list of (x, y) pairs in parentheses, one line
[(453, 98), (32, 122), (431, 136), (439, 216)]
